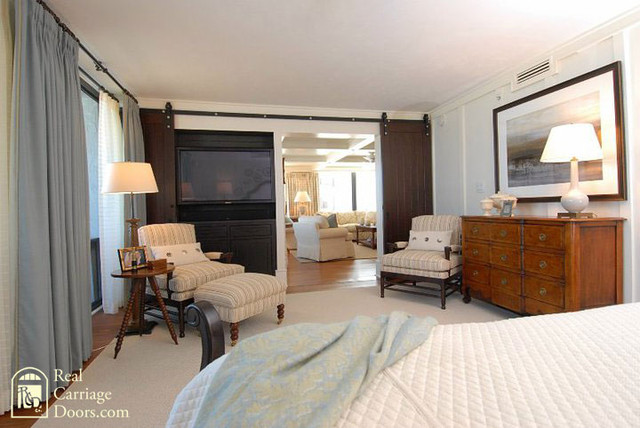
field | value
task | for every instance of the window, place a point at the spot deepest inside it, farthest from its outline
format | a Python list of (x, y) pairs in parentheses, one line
[(90, 112), (365, 190), (341, 191), (334, 191)]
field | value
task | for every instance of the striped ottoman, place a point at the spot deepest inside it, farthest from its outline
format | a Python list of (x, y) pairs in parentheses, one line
[(238, 297)]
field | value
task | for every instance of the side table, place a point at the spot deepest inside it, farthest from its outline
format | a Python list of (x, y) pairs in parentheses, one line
[(139, 278)]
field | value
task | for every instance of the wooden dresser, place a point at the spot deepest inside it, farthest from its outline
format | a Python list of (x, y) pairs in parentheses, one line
[(541, 265)]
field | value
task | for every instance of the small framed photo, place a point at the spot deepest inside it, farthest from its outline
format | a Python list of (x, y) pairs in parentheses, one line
[(507, 209), (132, 258)]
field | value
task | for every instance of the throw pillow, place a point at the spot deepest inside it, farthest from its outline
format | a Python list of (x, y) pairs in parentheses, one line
[(181, 254), (429, 240), (333, 220)]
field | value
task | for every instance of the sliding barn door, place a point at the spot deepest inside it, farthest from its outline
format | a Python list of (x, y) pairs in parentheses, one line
[(406, 176)]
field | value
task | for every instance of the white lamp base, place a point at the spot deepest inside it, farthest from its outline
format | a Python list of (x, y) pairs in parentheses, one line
[(574, 201)]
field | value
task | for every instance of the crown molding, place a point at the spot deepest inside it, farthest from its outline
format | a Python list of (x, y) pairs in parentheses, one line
[(156, 103)]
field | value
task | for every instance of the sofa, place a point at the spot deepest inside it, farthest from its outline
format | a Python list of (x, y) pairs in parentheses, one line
[(317, 241), (351, 219)]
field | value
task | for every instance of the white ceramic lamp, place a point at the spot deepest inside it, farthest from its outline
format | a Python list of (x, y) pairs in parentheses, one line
[(302, 197), (572, 143), (132, 178)]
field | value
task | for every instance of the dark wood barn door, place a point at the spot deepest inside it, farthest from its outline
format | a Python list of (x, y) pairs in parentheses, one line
[(406, 176)]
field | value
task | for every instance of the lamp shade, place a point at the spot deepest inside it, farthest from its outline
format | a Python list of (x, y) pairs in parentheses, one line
[(302, 196), (576, 140), (129, 177)]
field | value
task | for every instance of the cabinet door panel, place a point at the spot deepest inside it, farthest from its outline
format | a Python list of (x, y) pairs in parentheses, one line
[(476, 230), (551, 237), (548, 264), (254, 254), (508, 257), (505, 233)]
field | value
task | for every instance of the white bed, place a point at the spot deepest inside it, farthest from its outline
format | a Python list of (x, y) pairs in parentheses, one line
[(579, 369)]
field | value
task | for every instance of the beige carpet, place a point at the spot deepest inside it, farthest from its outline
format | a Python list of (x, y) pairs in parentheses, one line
[(150, 370), (361, 252)]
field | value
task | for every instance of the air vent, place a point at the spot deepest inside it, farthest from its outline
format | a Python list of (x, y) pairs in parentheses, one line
[(533, 74)]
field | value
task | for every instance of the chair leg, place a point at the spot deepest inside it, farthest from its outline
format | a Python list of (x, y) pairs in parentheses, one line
[(443, 294), (280, 313), (382, 286), (181, 318), (234, 333)]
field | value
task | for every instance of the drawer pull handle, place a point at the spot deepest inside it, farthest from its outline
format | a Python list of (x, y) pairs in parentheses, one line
[(504, 281), (542, 264), (542, 237), (475, 273), (503, 257), (543, 291), (503, 233), (475, 252), (475, 230)]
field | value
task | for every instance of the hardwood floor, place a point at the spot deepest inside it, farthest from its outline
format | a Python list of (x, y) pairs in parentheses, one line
[(314, 276), (302, 277)]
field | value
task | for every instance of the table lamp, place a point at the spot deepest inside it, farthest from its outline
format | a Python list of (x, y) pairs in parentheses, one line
[(302, 197), (573, 143), (132, 178)]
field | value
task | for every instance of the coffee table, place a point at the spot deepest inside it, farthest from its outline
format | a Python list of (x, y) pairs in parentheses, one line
[(371, 240)]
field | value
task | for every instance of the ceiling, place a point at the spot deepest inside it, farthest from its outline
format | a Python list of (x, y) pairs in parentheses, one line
[(405, 55), (308, 152)]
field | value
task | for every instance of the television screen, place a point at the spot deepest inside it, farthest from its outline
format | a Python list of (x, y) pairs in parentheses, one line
[(225, 175)]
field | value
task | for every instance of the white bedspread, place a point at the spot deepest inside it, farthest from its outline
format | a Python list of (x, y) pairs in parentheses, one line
[(580, 369)]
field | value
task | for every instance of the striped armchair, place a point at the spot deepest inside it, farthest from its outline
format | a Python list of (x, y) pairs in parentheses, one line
[(178, 290), (431, 273)]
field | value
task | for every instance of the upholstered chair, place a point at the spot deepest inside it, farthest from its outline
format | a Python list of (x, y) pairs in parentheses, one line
[(317, 241), (428, 272), (179, 289)]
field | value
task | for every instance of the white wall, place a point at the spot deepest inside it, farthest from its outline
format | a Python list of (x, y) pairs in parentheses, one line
[(463, 135)]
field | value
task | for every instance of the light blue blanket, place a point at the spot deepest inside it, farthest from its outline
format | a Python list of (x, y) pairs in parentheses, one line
[(307, 374)]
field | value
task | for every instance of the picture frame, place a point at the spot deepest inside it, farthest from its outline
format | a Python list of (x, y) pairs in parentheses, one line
[(132, 258), (521, 128), (507, 209)]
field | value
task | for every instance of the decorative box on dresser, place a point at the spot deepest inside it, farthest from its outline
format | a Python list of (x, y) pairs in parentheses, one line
[(540, 265)]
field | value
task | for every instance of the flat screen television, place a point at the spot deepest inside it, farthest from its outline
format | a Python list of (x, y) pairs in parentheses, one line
[(224, 175)]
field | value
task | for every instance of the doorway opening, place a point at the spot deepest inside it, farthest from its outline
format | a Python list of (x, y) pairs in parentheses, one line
[(331, 210)]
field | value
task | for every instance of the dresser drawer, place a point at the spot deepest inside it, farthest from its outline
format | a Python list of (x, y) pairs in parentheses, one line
[(475, 272), (544, 291), (479, 290), (474, 251), (476, 230), (506, 281), (505, 233), (508, 257), (551, 237), (506, 300), (535, 307), (544, 263)]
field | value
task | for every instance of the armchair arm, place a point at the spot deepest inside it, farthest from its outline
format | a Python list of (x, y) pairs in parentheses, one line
[(451, 249), (219, 256), (336, 232)]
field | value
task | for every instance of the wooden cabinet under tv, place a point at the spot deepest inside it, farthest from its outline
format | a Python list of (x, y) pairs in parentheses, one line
[(245, 228), (539, 265)]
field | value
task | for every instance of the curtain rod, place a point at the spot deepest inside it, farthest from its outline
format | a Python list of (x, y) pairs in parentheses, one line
[(98, 64), (97, 84)]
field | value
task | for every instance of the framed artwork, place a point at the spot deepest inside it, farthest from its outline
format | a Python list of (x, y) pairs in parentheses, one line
[(521, 128), (132, 258)]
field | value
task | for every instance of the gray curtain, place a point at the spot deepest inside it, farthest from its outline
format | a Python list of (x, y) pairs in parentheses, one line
[(54, 307), (133, 152)]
